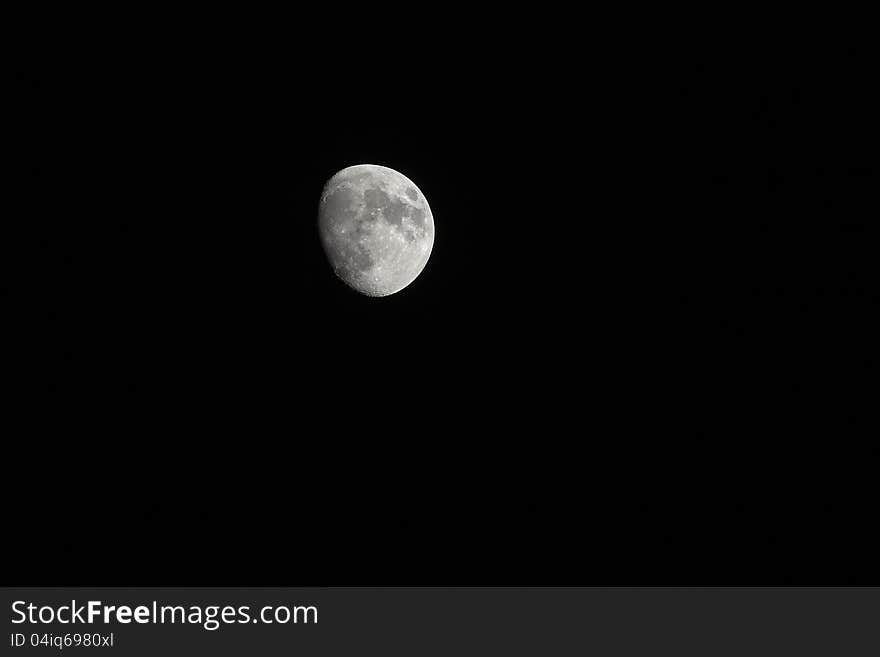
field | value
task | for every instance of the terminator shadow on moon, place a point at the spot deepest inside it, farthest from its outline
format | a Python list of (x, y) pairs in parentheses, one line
[(376, 228)]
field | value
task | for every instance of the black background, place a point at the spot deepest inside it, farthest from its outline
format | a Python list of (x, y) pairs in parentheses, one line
[(641, 352)]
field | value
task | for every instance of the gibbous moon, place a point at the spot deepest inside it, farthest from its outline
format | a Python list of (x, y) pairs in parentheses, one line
[(376, 228)]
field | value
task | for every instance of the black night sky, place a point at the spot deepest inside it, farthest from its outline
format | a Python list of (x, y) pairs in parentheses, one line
[(639, 353)]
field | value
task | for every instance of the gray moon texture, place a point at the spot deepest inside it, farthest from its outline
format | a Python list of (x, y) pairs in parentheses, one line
[(376, 229)]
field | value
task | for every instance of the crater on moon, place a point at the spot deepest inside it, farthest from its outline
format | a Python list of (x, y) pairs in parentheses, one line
[(376, 228)]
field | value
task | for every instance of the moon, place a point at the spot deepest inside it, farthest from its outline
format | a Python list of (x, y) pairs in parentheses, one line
[(376, 229)]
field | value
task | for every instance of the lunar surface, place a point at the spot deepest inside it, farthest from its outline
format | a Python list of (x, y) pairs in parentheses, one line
[(376, 228)]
